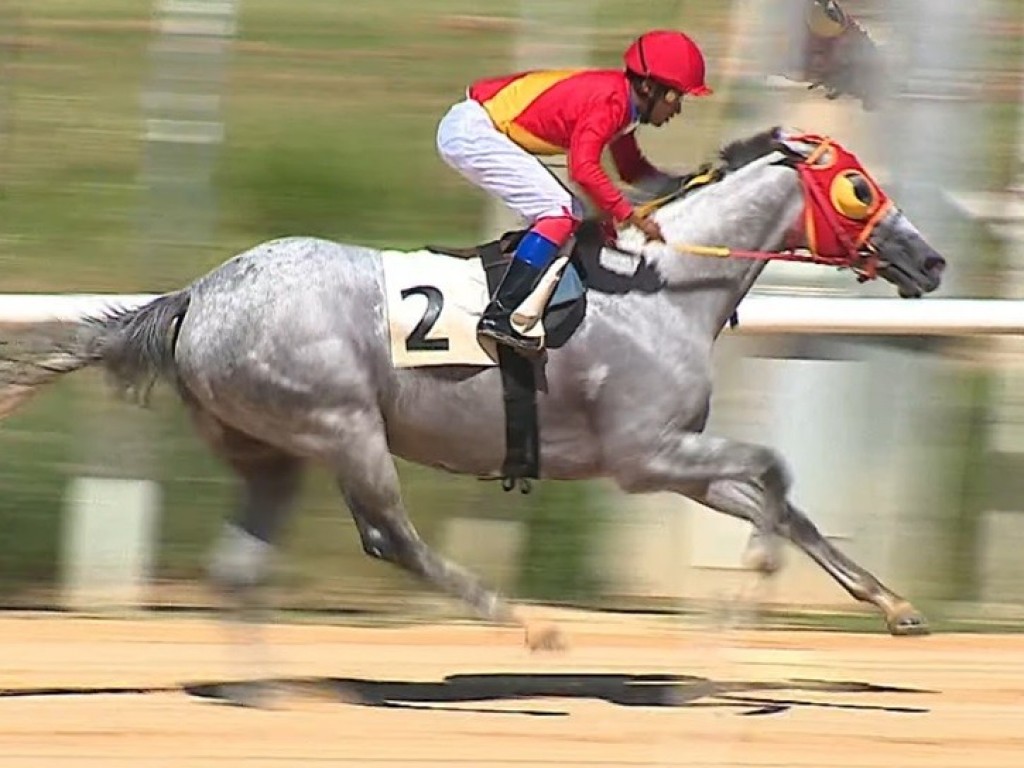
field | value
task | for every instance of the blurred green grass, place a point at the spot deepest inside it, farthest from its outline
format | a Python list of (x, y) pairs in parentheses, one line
[(329, 111)]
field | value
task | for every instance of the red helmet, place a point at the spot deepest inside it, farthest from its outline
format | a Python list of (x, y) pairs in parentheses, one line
[(671, 58)]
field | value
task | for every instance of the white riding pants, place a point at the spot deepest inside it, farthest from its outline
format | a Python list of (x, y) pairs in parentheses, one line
[(468, 141)]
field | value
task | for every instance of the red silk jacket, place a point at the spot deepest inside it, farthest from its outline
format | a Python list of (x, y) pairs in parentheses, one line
[(577, 112)]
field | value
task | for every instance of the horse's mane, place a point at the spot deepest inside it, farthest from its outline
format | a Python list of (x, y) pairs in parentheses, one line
[(731, 158), (740, 152)]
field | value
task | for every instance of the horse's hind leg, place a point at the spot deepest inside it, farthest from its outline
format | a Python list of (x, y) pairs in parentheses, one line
[(368, 479), (746, 500), (269, 482)]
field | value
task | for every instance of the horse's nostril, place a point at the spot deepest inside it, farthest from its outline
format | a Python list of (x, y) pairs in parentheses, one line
[(935, 263)]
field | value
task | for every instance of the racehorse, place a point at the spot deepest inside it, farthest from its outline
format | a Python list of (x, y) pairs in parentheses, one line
[(281, 356)]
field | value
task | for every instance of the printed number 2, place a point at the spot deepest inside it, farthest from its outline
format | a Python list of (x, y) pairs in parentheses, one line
[(417, 340)]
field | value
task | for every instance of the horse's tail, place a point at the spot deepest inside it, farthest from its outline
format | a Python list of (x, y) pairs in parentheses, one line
[(135, 346)]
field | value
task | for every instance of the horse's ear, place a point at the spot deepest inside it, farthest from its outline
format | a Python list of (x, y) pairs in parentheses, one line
[(788, 132), (793, 143)]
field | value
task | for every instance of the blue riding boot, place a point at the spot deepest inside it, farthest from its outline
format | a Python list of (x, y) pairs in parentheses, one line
[(532, 257)]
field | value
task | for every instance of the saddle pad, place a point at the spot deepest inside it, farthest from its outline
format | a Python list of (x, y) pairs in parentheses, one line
[(433, 305)]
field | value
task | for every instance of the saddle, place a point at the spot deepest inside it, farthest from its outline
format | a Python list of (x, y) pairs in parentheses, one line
[(565, 307), (563, 311)]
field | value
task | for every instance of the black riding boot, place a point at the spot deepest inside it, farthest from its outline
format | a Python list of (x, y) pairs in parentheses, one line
[(496, 323)]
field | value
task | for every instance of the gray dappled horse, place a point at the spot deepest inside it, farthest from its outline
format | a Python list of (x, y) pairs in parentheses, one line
[(281, 356)]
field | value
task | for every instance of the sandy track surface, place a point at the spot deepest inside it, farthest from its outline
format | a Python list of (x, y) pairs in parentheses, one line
[(630, 692)]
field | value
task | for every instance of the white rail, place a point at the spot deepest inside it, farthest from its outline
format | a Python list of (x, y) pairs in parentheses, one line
[(757, 313), (894, 317), (28, 308)]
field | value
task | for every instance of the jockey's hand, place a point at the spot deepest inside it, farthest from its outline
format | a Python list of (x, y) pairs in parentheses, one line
[(647, 225)]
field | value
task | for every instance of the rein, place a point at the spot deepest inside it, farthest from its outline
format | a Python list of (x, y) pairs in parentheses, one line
[(721, 252)]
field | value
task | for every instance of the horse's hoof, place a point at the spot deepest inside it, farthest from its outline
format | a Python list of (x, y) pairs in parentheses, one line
[(905, 621), (548, 638), (763, 554)]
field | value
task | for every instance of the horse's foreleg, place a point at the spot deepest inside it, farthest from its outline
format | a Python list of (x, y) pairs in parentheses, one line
[(744, 500), (901, 617), (368, 480), (751, 482)]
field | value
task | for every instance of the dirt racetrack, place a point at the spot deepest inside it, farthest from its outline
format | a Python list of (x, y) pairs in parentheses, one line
[(630, 692)]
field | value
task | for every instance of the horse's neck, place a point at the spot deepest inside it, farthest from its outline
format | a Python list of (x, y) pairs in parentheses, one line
[(752, 214)]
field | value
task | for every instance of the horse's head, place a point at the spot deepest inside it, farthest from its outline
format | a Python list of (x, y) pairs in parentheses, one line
[(750, 206), (848, 220)]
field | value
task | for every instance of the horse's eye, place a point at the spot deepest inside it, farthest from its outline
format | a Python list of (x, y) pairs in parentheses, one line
[(853, 195)]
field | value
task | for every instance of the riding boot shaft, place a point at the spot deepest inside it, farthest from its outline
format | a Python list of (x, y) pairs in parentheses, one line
[(532, 257)]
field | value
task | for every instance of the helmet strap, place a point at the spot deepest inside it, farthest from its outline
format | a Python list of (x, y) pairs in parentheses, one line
[(649, 91)]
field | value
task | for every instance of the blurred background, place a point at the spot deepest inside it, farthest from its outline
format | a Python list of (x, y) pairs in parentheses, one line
[(143, 143)]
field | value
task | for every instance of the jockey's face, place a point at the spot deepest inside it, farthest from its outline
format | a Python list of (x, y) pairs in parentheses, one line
[(666, 107)]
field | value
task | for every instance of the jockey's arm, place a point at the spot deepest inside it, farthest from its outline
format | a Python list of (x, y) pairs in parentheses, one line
[(588, 141), (637, 171)]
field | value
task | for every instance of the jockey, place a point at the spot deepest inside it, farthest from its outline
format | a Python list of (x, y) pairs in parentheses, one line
[(494, 135)]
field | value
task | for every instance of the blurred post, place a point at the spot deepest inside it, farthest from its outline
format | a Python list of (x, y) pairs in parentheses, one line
[(113, 507), (999, 569), (10, 26), (933, 126), (552, 34), (932, 131), (184, 129)]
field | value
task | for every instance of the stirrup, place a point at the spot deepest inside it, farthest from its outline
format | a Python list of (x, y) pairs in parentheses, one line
[(511, 338)]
